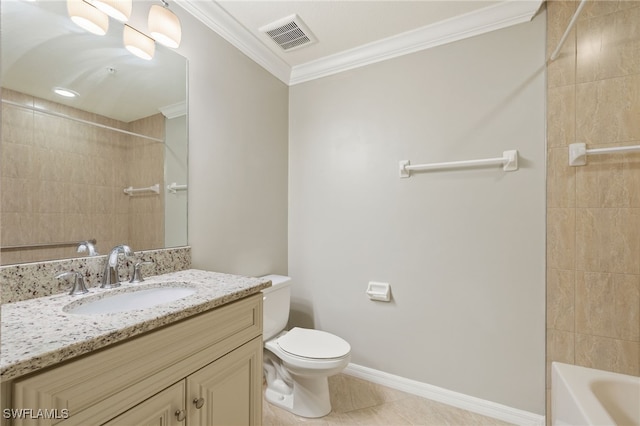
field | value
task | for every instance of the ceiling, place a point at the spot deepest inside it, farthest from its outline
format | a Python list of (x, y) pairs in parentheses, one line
[(353, 33), (350, 33), (343, 25), (42, 49)]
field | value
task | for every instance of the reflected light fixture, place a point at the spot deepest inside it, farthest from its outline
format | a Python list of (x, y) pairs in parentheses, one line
[(117, 9), (138, 43), (65, 92), (88, 17), (164, 25)]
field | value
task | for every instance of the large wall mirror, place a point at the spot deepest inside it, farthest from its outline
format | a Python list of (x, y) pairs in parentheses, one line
[(108, 166)]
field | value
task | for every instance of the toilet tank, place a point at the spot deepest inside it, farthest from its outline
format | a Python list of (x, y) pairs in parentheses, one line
[(276, 304)]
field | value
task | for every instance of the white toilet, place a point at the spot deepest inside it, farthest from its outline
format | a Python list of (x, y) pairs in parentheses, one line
[(297, 363)]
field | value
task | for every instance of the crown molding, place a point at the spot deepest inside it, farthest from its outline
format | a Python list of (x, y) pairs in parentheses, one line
[(491, 18), (174, 110), (216, 18)]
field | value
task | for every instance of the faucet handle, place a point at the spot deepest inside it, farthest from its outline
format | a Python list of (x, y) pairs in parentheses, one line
[(78, 283), (136, 276)]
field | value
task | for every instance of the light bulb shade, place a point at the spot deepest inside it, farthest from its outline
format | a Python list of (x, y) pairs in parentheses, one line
[(117, 9), (88, 17), (164, 26), (137, 43)]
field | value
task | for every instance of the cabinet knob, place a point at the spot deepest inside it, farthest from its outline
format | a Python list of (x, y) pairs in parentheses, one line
[(198, 402), (181, 415)]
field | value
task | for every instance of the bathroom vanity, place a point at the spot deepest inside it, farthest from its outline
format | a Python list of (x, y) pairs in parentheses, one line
[(193, 361)]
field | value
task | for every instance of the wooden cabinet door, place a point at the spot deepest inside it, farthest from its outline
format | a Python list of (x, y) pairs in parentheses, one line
[(229, 390), (159, 410)]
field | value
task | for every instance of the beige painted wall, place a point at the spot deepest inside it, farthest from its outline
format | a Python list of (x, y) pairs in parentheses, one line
[(463, 250), (237, 157), (593, 284)]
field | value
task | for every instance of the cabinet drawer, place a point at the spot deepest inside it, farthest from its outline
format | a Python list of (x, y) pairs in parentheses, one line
[(101, 385), (159, 410)]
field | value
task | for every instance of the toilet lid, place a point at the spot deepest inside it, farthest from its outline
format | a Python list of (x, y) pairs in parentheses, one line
[(316, 344)]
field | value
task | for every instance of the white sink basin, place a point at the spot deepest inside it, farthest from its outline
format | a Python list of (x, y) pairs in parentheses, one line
[(129, 300)]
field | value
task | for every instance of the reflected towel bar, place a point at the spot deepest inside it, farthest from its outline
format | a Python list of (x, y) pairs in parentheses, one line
[(47, 245), (174, 188), (509, 162), (578, 152), (131, 190)]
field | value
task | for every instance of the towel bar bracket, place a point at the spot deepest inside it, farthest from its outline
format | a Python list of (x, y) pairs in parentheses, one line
[(402, 165), (577, 154)]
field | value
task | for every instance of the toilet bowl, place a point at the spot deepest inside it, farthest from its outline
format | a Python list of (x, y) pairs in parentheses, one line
[(297, 363)]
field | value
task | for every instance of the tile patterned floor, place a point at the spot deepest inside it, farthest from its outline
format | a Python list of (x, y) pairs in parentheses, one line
[(358, 402)]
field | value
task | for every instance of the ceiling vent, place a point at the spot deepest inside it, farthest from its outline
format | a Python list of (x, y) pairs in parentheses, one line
[(289, 33)]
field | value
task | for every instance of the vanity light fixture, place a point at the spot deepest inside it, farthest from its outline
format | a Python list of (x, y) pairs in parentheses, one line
[(164, 25), (138, 43), (87, 17), (65, 92), (117, 9)]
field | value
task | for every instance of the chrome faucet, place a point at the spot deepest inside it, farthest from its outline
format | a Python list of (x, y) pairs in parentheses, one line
[(88, 246), (111, 278)]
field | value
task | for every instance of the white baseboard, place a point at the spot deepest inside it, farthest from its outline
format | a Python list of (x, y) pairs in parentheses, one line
[(445, 396)]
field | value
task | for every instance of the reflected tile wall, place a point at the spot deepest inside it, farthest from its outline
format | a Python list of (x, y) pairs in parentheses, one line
[(146, 168), (63, 180), (593, 256)]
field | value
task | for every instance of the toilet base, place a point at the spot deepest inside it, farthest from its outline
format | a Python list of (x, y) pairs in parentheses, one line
[(308, 398)]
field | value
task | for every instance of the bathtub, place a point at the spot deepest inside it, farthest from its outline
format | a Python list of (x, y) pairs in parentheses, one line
[(584, 396)]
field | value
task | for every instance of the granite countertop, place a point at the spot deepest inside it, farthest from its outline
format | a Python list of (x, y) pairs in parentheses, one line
[(37, 333)]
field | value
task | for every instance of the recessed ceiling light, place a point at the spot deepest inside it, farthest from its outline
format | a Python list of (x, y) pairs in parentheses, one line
[(65, 92)]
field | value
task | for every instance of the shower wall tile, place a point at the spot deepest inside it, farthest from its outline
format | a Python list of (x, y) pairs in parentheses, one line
[(64, 179), (606, 44), (604, 353), (607, 111), (561, 111), (49, 196), (48, 227), (561, 226), (608, 240), (14, 190), (605, 239), (609, 181), (561, 179), (52, 165), (560, 299), (17, 97), (560, 72), (560, 348), (608, 305), (21, 120), (18, 160), (595, 9)]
